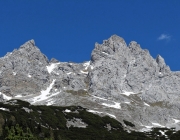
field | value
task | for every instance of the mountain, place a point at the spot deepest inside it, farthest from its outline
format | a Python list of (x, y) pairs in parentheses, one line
[(121, 81)]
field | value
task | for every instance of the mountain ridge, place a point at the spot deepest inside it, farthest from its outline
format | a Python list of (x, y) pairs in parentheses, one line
[(120, 79)]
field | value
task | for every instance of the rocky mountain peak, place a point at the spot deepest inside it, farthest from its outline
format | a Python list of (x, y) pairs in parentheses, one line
[(116, 43), (32, 52), (124, 80), (53, 60), (28, 44), (25, 69), (116, 39), (113, 45), (134, 45)]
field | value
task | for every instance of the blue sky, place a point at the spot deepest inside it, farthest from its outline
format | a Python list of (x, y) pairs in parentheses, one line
[(68, 29)]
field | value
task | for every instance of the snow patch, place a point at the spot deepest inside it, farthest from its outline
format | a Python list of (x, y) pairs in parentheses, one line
[(157, 124), (84, 72), (148, 128), (14, 73), (176, 121), (51, 67), (105, 53), (98, 97), (127, 93), (45, 93), (17, 96), (163, 133), (29, 76), (68, 73), (5, 96), (67, 110), (86, 65), (94, 111), (127, 102), (1, 108), (116, 105), (146, 104), (50, 102), (91, 67), (111, 115)]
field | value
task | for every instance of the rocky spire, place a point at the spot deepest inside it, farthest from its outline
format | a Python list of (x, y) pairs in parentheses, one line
[(30, 43), (160, 61), (162, 65), (29, 49), (27, 72), (111, 46)]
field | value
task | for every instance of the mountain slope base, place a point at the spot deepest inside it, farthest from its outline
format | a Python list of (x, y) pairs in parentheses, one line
[(50, 122)]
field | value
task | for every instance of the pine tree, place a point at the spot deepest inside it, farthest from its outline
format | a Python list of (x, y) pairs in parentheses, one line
[(17, 133)]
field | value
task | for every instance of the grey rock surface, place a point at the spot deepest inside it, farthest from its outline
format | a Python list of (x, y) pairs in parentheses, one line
[(122, 81), (75, 122), (23, 71)]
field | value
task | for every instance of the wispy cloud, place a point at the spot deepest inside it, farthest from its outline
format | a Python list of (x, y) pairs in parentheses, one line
[(164, 37)]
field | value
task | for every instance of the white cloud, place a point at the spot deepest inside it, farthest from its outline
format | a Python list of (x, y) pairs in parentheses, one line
[(164, 37)]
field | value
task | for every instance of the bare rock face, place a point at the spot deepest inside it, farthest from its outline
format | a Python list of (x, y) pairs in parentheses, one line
[(120, 80), (129, 74), (119, 68), (27, 71), (124, 69), (23, 71)]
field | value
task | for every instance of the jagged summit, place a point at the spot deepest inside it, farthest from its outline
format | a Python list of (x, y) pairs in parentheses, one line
[(160, 61), (162, 65), (53, 60), (32, 52), (28, 43), (124, 81), (116, 39)]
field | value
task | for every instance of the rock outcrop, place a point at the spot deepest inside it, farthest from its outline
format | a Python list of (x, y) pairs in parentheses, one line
[(23, 71), (119, 68)]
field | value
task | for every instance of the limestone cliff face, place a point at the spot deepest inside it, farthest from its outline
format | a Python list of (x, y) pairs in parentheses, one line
[(120, 68), (26, 71), (122, 80), (23, 71)]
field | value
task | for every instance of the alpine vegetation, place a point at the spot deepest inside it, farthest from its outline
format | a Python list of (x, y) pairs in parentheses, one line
[(122, 84)]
